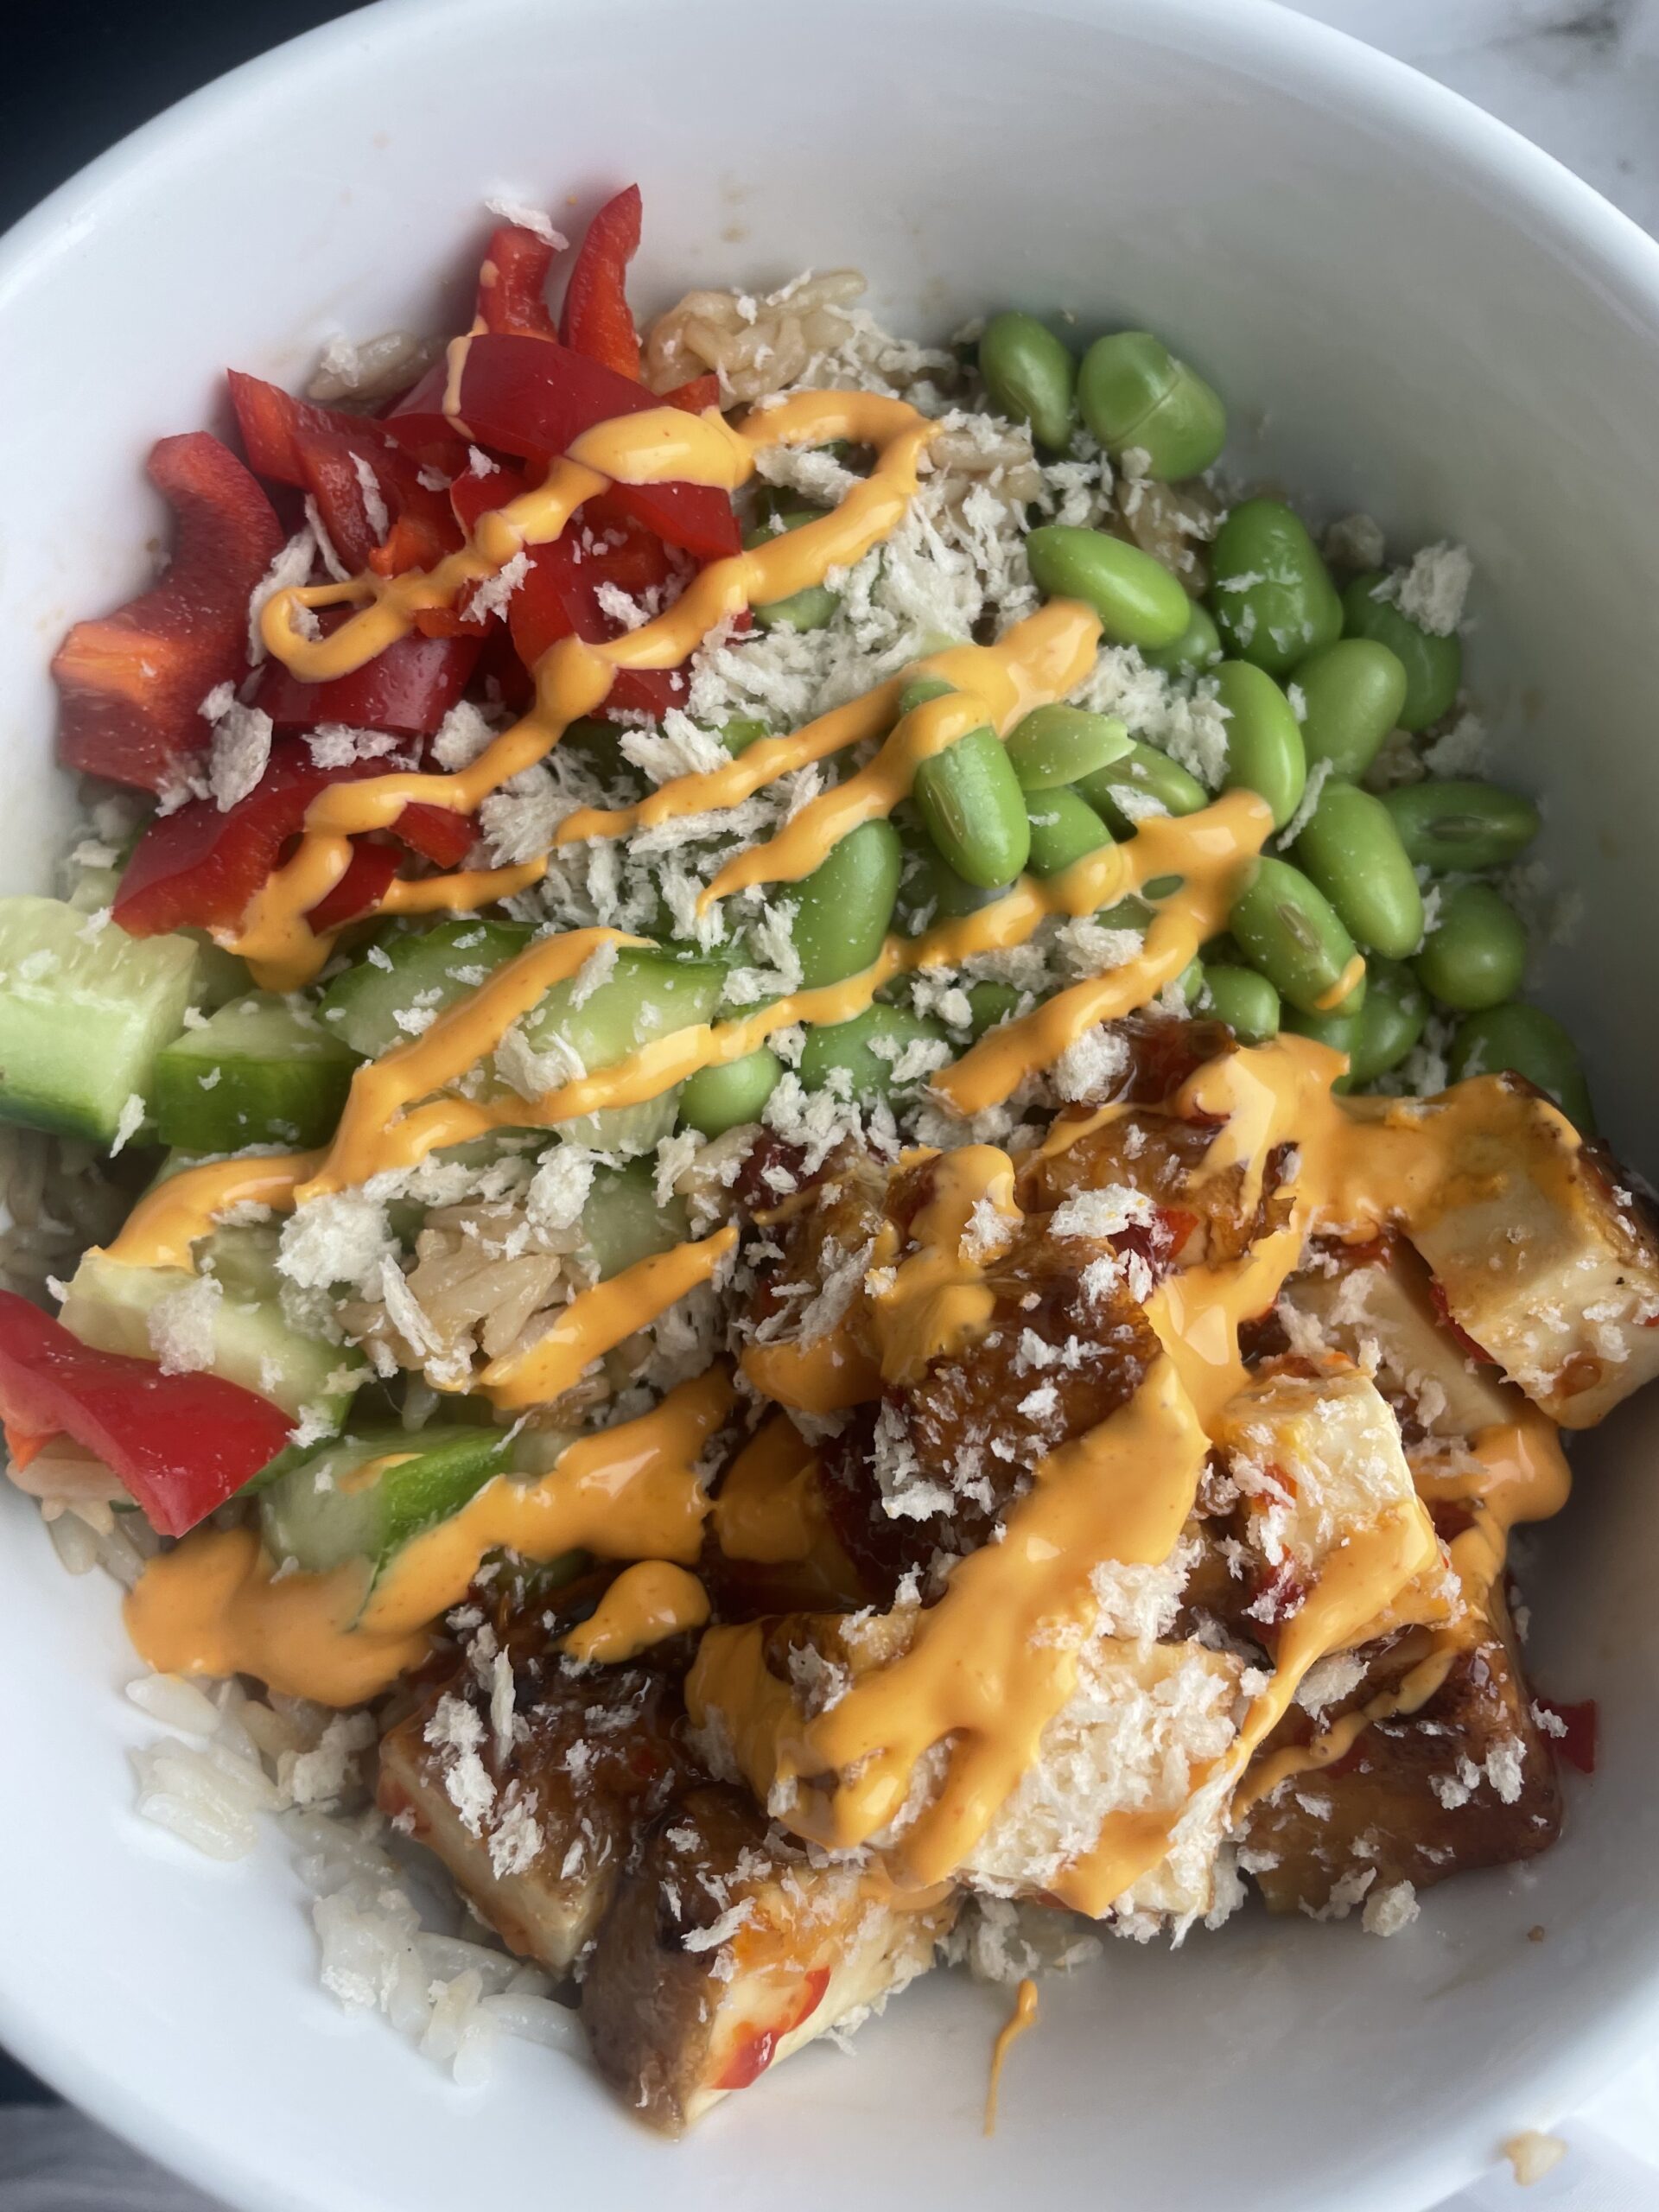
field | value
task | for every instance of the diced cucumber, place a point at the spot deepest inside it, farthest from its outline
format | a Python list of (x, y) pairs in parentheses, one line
[(83, 1013), (111, 1307), (415, 973), (260, 1070), (221, 976), (624, 1221), (362, 1497), (649, 993)]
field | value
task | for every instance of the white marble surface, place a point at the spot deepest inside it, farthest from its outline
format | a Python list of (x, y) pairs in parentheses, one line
[(1581, 79)]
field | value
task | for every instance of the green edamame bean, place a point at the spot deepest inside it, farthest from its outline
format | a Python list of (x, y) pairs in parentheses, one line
[(722, 1098), (1247, 1002), (1391, 1022), (1133, 391), (1341, 1032), (1138, 601), (991, 1004), (1264, 742), (1434, 665), (814, 608), (1130, 913), (1528, 1040), (1190, 982), (596, 745), (1053, 745), (1145, 781), (1288, 929), (1064, 828), (1352, 694), (1350, 848), (1272, 597), (1197, 647), (1476, 954), (970, 800), (1460, 826), (740, 732), (865, 1051), (1031, 376), (844, 908)]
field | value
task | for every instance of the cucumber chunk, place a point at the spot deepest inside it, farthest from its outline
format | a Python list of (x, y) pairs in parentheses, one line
[(261, 1070), (364, 1496), (648, 994), (623, 1221), (83, 1017), (413, 973), (111, 1308)]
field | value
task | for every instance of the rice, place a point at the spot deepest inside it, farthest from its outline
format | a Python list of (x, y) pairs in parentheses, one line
[(55, 1199)]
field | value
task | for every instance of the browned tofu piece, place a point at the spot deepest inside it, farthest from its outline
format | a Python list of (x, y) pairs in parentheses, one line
[(724, 1950), (1544, 1258), (1466, 1780), (536, 1835)]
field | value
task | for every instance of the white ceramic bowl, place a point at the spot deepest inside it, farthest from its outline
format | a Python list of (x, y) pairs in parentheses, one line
[(1422, 315)]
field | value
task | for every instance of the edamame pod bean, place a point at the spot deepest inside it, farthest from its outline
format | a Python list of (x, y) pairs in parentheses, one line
[(1133, 391), (991, 1004), (844, 908), (1145, 781), (1527, 1039), (1459, 827), (970, 800), (1476, 954), (1434, 665), (1288, 929), (1064, 828), (1031, 376), (1138, 601), (596, 745), (1352, 694), (1269, 591), (1058, 745), (1264, 742), (866, 1051), (1341, 1032), (740, 732), (1350, 848), (1190, 982), (1247, 1002), (1197, 647), (1391, 1022), (722, 1098), (814, 608)]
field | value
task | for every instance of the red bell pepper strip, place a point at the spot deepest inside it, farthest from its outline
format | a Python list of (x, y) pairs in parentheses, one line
[(528, 396), (513, 283), (201, 869), (130, 683), (408, 688), (558, 598), (182, 1444), (362, 886), (330, 462), (695, 395), (595, 320), (271, 421)]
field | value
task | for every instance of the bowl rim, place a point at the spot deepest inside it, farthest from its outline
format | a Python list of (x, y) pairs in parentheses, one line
[(1564, 210)]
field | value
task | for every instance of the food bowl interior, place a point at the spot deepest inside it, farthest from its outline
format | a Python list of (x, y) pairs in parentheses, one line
[(1408, 312)]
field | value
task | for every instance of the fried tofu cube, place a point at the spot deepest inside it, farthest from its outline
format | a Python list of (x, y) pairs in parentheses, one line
[(1545, 1260), (1466, 1780), (1380, 1312), (535, 1832), (725, 1951)]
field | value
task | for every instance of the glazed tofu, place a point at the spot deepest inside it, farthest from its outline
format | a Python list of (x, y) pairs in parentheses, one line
[(1466, 1780), (1317, 1459), (1379, 1311), (725, 1949), (1547, 1261), (535, 1831)]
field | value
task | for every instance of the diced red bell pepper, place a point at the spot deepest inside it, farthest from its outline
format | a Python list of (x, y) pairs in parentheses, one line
[(407, 688), (362, 886), (182, 1444), (513, 283), (201, 869), (271, 419), (528, 395), (695, 395), (329, 460), (595, 320), (130, 683), (418, 422)]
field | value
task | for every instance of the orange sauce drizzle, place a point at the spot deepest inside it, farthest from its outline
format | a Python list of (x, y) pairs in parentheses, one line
[(645, 1604), (768, 1508), (213, 1606), (1023, 2016)]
